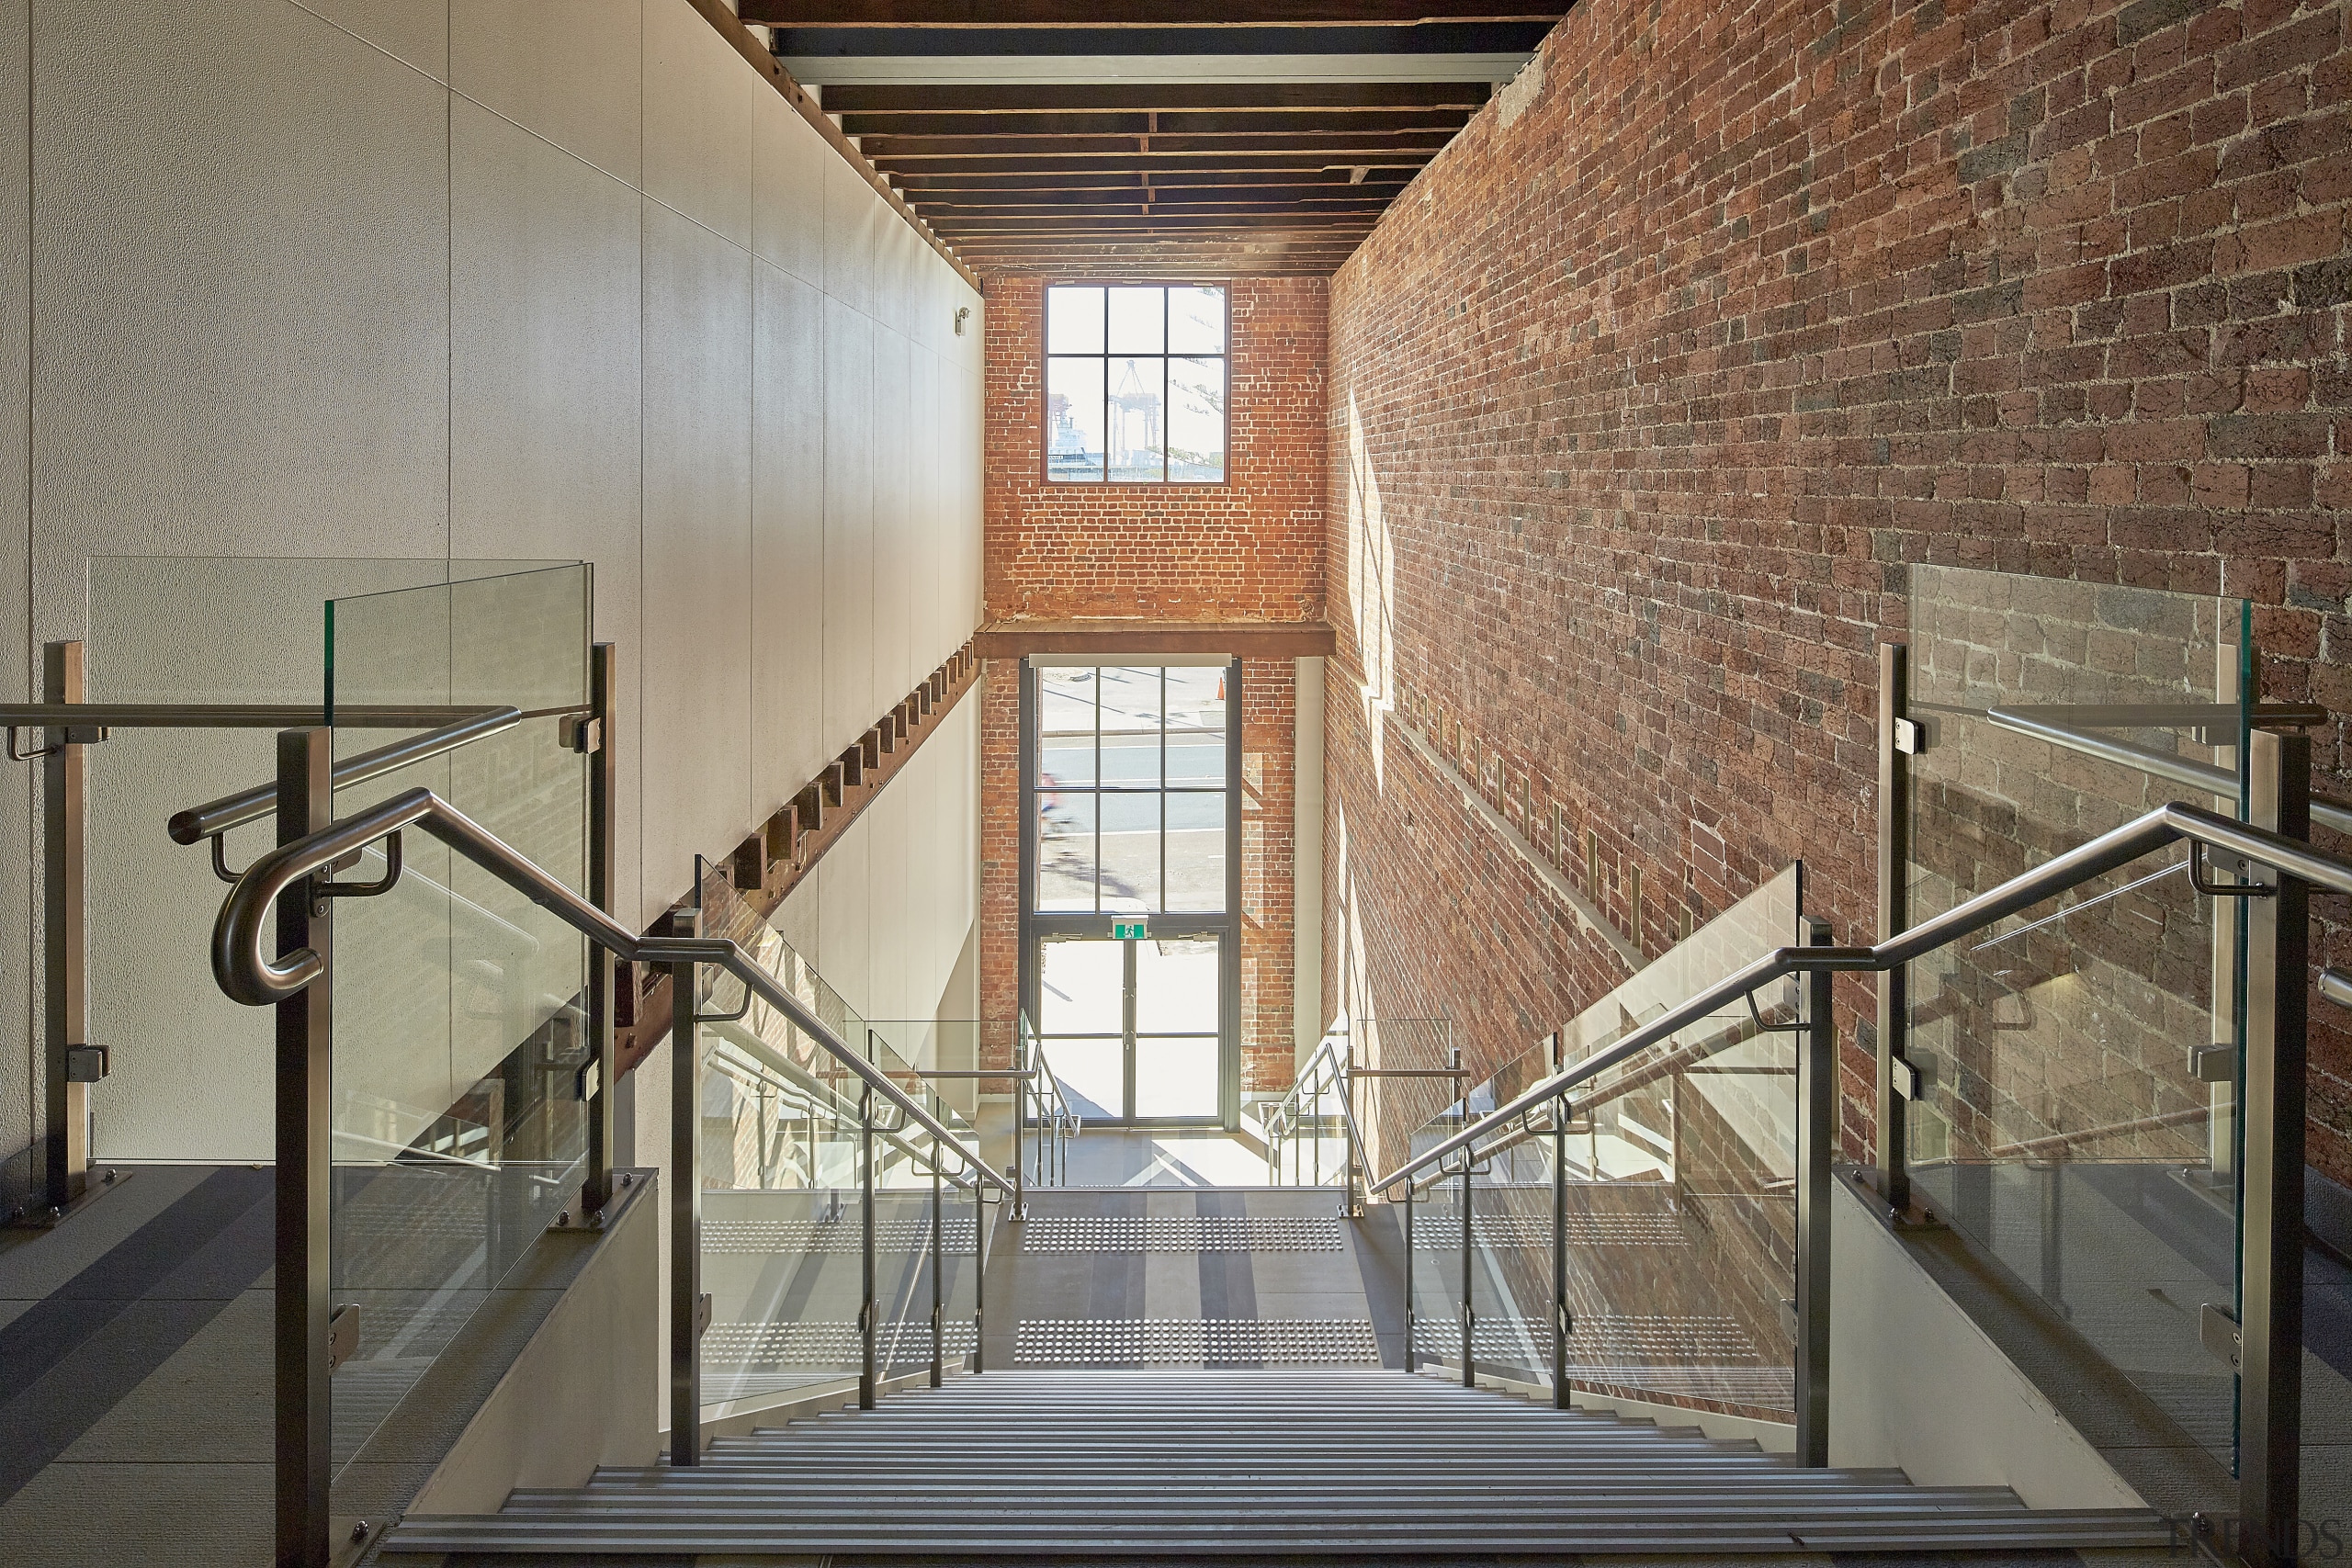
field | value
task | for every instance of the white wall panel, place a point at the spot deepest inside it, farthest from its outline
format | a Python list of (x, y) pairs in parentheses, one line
[(254, 220), (695, 685), (851, 219), (698, 121), (501, 53), (787, 631), (545, 380), (17, 957), (844, 912), (892, 601), (850, 486), (604, 297), (415, 32), (789, 163)]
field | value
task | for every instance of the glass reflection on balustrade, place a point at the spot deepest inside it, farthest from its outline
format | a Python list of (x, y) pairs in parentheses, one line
[(1677, 1170), (786, 1138), (459, 1130), (2063, 1125)]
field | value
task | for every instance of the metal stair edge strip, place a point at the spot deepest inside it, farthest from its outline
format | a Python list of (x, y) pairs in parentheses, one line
[(1336, 1463)]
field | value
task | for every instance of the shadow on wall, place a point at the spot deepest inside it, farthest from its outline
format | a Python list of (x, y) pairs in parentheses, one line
[(1371, 589)]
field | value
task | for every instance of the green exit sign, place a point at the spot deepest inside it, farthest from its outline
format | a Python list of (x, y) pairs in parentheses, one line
[(1127, 930)]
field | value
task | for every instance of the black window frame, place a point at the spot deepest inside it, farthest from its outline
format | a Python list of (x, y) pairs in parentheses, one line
[(1039, 926), (1167, 358)]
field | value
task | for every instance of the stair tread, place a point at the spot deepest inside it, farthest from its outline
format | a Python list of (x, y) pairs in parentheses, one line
[(1205, 1463)]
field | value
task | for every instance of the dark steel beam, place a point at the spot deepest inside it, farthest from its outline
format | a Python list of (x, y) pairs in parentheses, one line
[(1154, 164), (1156, 222), (1080, 97), (922, 188), (950, 213), (1336, 149), (1158, 123), (1422, 39), (1222, 14)]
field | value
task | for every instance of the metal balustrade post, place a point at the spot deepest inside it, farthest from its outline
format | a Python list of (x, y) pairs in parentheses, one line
[(305, 1058), (1412, 1362), (865, 1312), (1817, 1108), (1893, 918), (597, 1079), (1469, 1314), (1021, 1087), (938, 1257), (685, 1205), (65, 993), (979, 1276), (2271, 1220), (1560, 1321)]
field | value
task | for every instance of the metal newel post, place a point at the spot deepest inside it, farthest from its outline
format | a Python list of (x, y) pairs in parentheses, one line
[(1020, 1112), (1412, 1363), (686, 1206), (1816, 1142), (866, 1313), (1560, 1323), (305, 1057), (2270, 1301), (1894, 916), (1469, 1314), (979, 1271), (65, 994), (938, 1257), (596, 1188)]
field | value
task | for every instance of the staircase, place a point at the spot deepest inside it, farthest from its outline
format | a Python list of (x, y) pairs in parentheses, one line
[(1112, 1464)]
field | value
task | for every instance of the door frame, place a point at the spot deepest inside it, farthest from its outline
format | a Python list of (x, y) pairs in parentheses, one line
[(1035, 925)]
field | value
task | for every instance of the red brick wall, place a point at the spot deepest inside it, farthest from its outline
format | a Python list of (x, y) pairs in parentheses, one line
[(1249, 549), (1001, 840), (1252, 549), (1269, 796), (1639, 401)]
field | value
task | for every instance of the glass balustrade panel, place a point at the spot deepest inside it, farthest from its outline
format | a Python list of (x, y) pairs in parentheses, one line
[(1677, 1170), (2076, 1119), (459, 1126), (784, 1218)]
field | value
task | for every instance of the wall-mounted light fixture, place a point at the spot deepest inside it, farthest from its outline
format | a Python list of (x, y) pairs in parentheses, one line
[(961, 311)]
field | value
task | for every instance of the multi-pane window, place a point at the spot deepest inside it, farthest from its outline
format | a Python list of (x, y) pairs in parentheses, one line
[(1134, 384), (1131, 790)]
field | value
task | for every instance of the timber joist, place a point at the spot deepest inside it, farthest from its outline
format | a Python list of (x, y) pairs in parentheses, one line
[(1151, 138), (775, 857)]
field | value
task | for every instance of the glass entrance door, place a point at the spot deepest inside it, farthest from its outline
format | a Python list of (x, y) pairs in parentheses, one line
[(1131, 1024), (1130, 929)]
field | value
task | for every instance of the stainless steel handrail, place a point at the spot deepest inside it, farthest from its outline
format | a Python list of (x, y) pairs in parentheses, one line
[(199, 823), (247, 975), (234, 716), (2179, 769), (763, 1063), (2118, 847)]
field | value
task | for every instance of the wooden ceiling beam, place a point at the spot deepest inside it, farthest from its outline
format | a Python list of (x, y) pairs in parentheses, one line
[(1156, 163), (1158, 123), (1081, 97), (1157, 223), (922, 188), (1310, 198), (884, 150)]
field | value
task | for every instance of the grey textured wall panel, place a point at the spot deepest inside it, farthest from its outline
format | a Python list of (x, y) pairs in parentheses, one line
[(291, 297)]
